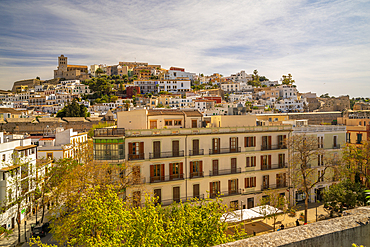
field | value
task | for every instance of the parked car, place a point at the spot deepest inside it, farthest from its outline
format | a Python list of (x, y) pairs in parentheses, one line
[(46, 227), (38, 231)]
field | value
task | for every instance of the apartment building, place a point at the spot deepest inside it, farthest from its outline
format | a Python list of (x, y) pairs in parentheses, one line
[(178, 160), (146, 86), (180, 85), (358, 125), (230, 87), (18, 163), (331, 138)]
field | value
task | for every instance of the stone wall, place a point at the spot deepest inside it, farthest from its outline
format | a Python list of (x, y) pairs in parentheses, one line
[(315, 118), (341, 231), (37, 127)]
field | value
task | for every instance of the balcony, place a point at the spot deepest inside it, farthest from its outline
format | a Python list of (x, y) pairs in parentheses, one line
[(109, 132), (170, 154), (336, 146), (224, 172), (182, 199), (225, 150), (273, 147), (160, 179), (140, 156), (196, 174), (138, 180), (196, 152), (225, 193), (274, 166), (273, 186)]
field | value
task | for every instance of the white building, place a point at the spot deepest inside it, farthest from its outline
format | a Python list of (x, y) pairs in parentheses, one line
[(241, 77), (230, 87), (175, 86), (286, 91), (61, 144), (176, 73), (290, 105), (13, 172)]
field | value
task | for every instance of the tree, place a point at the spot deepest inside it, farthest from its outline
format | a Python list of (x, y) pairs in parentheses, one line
[(99, 71), (102, 218), (304, 175), (73, 109), (357, 158), (346, 194), (255, 79), (273, 205), (287, 80)]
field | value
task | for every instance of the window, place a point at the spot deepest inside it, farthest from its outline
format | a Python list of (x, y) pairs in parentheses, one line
[(157, 173), (176, 170), (281, 141), (250, 182), (136, 198), (335, 141), (175, 148), (250, 141), (196, 191), (177, 122), (265, 162), (194, 123), (320, 160), (168, 122), (281, 160), (196, 169), (265, 182), (281, 180), (156, 149), (176, 194), (214, 189), (214, 167), (320, 142), (233, 165), (348, 137), (359, 139), (158, 196), (251, 161), (153, 124), (136, 150), (216, 145), (4, 157), (320, 176), (196, 147), (49, 156), (233, 144), (266, 143)]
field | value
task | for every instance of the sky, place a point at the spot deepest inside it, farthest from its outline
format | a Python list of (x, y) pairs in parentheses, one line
[(325, 45)]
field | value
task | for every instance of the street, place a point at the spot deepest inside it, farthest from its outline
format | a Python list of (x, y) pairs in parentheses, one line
[(46, 240)]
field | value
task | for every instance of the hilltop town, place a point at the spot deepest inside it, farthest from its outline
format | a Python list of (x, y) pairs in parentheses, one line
[(159, 137)]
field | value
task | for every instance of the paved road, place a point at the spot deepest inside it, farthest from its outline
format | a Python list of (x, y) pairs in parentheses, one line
[(46, 240)]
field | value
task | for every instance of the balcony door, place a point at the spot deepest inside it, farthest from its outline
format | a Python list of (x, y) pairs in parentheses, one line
[(233, 144), (266, 181), (157, 149), (195, 147), (214, 167), (158, 195), (233, 165), (176, 194), (216, 145), (175, 148)]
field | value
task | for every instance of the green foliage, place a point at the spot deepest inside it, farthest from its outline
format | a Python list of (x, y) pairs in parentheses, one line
[(73, 109), (325, 95), (99, 71), (287, 80), (263, 78), (103, 219), (344, 194), (255, 79), (159, 105)]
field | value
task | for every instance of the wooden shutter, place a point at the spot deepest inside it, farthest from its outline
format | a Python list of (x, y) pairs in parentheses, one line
[(237, 185), (151, 171), (248, 162), (229, 186), (141, 148), (130, 148), (162, 171), (181, 170), (201, 168), (254, 184), (171, 170), (210, 189), (269, 161), (255, 160), (269, 141), (284, 179), (237, 144), (230, 143), (261, 162), (245, 142), (254, 141), (191, 169), (246, 182), (218, 145)]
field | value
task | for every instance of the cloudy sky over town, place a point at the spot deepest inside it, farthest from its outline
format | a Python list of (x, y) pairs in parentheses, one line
[(325, 45)]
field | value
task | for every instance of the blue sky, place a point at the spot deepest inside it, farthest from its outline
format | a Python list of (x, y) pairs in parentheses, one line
[(325, 45)]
